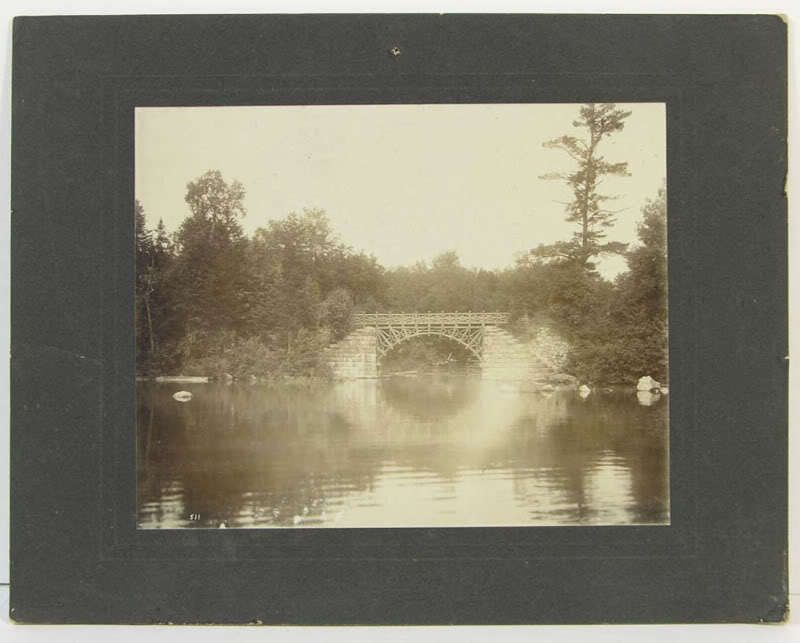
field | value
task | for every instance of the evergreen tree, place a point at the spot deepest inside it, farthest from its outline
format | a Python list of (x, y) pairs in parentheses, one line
[(641, 312), (144, 258), (626, 337), (587, 209), (155, 321)]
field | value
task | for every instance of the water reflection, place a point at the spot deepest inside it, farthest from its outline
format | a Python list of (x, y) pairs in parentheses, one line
[(430, 451), (648, 398)]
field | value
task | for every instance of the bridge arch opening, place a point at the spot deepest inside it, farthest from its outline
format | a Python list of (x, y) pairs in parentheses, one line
[(424, 351)]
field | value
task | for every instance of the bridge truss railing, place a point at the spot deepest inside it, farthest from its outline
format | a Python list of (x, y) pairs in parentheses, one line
[(388, 320)]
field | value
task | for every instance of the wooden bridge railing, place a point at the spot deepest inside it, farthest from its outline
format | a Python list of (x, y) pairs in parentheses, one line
[(385, 320)]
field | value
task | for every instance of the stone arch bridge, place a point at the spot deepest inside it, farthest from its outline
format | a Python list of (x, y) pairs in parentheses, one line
[(499, 354)]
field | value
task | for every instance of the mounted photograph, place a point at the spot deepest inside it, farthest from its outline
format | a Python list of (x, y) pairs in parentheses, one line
[(387, 316)]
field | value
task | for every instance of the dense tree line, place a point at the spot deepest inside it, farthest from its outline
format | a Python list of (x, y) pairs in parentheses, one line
[(212, 300)]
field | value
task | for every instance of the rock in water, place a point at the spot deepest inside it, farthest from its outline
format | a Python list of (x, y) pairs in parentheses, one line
[(648, 398), (647, 383), (584, 391), (182, 396)]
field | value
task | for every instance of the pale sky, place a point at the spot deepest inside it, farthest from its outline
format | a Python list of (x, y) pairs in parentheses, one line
[(402, 182)]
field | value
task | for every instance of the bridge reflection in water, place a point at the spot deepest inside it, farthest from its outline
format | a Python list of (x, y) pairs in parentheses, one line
[(431, 451)]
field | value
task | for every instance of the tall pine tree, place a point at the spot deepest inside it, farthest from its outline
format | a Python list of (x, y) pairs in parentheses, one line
[(587, 209)]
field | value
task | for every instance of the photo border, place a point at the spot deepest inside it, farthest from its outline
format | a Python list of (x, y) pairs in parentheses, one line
[(72, 325)]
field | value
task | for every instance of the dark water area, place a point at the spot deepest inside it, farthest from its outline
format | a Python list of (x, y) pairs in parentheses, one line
[(434, 450)]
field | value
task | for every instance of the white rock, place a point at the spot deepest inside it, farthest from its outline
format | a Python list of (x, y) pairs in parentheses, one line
[(182, 396), (584, 391), (647, 383), (664, 390)]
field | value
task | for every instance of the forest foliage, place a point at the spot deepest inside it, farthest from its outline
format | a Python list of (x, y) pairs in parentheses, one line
[(211, 300)]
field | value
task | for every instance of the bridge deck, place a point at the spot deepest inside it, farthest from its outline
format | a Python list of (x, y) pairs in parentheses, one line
[(394, 320)]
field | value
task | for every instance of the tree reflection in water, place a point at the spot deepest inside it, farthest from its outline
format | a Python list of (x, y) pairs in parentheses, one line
[(434, 450)]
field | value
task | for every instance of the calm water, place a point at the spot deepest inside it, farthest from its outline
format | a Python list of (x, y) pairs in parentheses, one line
[(428, 451)]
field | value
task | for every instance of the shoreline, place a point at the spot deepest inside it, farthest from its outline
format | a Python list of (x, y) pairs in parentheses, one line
[(525, 385)]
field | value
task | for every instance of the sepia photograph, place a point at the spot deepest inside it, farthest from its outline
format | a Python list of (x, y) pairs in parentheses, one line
[(418, 315), (378, 320)]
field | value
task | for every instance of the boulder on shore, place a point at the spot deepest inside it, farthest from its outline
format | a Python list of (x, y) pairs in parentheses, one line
[(584, 391), (647, 383)]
